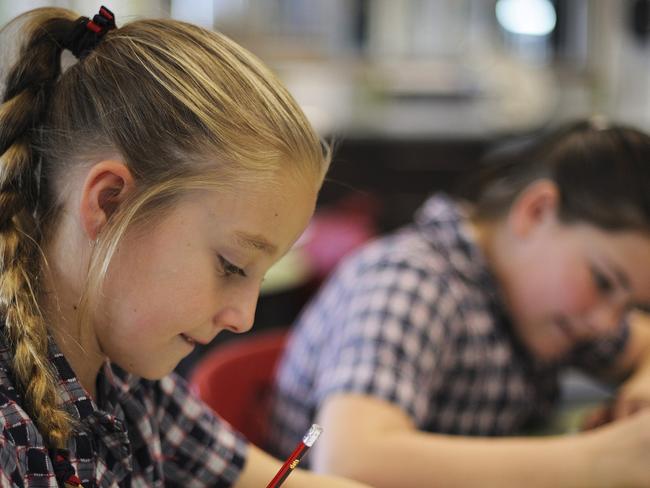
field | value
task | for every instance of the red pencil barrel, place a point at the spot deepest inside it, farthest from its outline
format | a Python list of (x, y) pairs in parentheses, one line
[(288, 466)]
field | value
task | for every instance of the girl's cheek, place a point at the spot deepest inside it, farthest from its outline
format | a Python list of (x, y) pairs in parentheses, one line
[(572, 289), (580, 297)]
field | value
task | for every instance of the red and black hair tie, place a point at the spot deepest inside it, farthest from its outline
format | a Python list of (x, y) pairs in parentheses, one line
[(87, 34)]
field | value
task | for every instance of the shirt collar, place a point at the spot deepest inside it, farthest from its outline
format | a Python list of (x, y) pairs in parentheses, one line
[(108, 422), (444, 223)]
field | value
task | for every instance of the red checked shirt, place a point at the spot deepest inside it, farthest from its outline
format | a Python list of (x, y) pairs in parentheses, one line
[(139, 433)]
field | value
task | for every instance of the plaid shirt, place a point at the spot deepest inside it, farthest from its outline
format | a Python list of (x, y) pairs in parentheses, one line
[(415, 319), (139, 433)]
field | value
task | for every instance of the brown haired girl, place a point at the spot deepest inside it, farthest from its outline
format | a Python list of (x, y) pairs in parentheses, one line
[(434, 347)]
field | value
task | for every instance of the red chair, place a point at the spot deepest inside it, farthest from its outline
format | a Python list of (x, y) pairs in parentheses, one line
[(236, 378)]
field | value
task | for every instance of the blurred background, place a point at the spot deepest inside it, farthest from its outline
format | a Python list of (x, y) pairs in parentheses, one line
[(412, 92)]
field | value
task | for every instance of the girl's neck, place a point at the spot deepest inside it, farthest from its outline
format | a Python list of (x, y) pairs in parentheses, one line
[(490, 239), (84, 358), (59, 304)]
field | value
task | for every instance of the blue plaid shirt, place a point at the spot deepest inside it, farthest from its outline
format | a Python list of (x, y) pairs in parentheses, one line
[(139, 433), (415, 319)]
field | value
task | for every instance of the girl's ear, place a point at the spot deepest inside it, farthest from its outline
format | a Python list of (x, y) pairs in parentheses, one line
[(106, 186), (536, 204)]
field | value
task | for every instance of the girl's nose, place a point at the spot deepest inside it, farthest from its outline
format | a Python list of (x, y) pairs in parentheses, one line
[(605, 318), (238, 315)]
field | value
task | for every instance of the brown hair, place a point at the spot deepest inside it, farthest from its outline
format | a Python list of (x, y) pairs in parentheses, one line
[(602, 173), (187, 109)]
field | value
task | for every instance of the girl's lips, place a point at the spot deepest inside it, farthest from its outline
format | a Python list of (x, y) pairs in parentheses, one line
[(566, 329), (188, 339)]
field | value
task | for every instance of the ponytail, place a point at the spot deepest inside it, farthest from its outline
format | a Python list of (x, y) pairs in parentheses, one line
[(28, 91)]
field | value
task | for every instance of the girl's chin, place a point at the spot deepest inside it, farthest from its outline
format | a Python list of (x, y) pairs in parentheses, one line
[(548, 352), (551, 345), (149, 371), (154, 375), (155, 365)]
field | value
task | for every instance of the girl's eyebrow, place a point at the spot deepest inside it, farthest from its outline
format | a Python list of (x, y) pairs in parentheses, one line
[(255, 241)]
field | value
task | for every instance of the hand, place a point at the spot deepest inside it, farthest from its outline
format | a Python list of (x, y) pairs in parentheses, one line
[(621, 452), (633, 397), (634, 394), (597, 417)]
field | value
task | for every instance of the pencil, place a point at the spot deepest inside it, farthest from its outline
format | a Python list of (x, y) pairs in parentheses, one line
[(292, 461)]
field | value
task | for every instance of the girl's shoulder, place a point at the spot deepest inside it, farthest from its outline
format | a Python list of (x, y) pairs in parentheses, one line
[(405, 248)]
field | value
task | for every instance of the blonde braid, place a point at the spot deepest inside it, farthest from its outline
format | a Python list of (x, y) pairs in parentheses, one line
[(24, 104)]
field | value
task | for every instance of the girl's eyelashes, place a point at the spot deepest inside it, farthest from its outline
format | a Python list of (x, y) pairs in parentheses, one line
[(230, 269), (602, 282)]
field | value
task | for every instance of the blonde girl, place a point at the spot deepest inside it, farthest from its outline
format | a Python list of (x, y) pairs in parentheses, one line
[(145, 189)]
